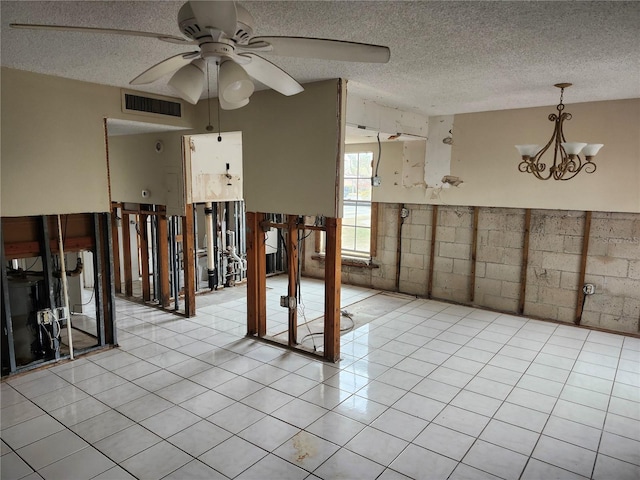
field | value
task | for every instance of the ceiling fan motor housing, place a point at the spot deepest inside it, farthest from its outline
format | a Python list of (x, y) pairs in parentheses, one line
[(191, 29)]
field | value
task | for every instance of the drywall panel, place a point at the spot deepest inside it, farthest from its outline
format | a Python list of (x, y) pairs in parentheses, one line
[(53, 143), (483, 155), (391, 171), (291, 148), (141, 162), (438, 155), (213, 168)]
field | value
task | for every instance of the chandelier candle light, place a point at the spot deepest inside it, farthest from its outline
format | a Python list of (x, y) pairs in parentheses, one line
[(566, 160)]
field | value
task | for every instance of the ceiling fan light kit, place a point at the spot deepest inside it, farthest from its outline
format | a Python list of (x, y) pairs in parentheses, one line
[(566, 155), (235, 86), (188, 82), (223, 33)]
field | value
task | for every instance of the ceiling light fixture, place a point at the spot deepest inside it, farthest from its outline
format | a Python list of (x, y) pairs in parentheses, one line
[(566, 160), (188, 82), (235, 85)]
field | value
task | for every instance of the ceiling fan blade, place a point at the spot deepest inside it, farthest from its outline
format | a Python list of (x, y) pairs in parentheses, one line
[(216, 15), (271, 75), (163, 68), (321, 48), (111, 31)]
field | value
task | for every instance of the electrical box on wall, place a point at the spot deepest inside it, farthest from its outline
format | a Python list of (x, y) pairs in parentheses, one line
[(213, 169)]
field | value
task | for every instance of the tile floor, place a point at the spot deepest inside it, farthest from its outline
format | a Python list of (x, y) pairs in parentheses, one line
[(428, 390)]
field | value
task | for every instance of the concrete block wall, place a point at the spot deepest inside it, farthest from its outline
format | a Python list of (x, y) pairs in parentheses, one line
[(555, 253), (452, 261), (613, 266), (552, 289), (499, 258)]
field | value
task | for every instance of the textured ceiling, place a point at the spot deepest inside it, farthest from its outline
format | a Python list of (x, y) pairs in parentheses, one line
[(446, 57)]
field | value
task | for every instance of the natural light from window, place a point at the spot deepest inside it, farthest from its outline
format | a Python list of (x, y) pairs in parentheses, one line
[(356, 221)]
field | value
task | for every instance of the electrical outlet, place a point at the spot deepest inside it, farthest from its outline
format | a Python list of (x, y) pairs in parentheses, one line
[(288, 302), (376, 181), (589, 289)]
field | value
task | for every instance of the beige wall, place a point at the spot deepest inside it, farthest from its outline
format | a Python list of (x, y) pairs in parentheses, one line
[(135, 166), (53, 148), (291, 149), (53, 143), (484, 157)]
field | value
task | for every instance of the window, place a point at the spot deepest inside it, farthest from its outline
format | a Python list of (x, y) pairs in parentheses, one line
[(356, 221)]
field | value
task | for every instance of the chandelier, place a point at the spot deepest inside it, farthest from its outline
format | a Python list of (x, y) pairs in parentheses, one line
[(567, 162)]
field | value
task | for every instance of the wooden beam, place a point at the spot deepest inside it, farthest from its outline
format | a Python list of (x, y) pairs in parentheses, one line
[(474, 252), (583, 267), (163, 260), (332, 281), (144, 258), (525, 261), (110, 329), (432, 250), (399, 246), (115, 243), (100, 281), (292, 269), (47, 264), (32, 249), (256, 276), (126, 255), (188, 252), (373, 243), (8, 345)]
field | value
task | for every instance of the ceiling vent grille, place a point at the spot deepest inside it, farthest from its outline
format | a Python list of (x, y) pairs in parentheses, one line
[(156, 106)]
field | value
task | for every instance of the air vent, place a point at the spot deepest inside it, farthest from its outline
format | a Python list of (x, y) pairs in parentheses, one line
[(150, 105)]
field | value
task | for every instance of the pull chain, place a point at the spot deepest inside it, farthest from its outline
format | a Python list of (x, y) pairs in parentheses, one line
[(218, 88), (209, 127)]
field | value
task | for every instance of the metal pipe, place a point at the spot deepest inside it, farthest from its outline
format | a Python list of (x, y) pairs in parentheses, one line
[(211, 258), (65, 291)]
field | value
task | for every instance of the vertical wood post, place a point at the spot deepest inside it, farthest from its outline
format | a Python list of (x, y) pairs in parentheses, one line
[(163, 259), (332, 281), (126, 255), (432, 250), (525, 261), (144, 258), (110, 330), (115, 242), (474, 254), (583, 267), (292, 263), (188, 251), (100, 280), (256, 276), (45, 255), (8, 345)]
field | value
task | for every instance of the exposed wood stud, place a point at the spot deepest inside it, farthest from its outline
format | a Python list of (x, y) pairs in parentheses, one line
[(525, 261), (432, 250), (474, 252), (45, 256), (332, 281), (373, 246), (399, 246), (116, 249), (583, 267), (163, 259), (144, 258), (100, 281), (126, 255), (292, 264), (188, 252), (256, 276), (110, 334)]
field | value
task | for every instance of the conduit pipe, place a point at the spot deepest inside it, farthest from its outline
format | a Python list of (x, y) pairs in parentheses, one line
[(211, 258), (65, 291)]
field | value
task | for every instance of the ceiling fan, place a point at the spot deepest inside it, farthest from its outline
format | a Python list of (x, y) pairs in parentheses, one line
[(223, 32)]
